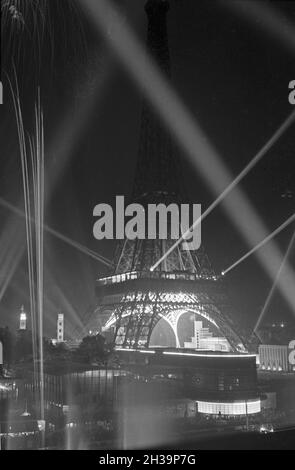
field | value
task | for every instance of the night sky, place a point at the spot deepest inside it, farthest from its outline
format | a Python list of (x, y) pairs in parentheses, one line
[(231, 74)]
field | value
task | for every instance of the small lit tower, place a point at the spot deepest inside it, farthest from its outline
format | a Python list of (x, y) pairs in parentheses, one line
[(1, 359), (22, 319), (60, 328)]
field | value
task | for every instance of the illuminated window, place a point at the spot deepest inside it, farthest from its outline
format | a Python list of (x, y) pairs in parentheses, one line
[(230, 408)]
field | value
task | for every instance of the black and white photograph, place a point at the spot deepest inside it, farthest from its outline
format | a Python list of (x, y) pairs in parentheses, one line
[(147, 228)]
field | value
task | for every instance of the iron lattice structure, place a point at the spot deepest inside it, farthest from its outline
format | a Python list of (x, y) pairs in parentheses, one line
[(136, 301), (133, 299)]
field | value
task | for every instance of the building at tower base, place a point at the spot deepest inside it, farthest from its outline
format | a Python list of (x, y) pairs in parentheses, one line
[(220, 384), (203, 339)]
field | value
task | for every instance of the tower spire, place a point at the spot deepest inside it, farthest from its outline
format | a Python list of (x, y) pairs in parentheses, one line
[(156, 175), (157, 37)]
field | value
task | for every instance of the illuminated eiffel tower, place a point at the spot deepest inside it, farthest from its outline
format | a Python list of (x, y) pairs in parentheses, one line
[(133, 298)]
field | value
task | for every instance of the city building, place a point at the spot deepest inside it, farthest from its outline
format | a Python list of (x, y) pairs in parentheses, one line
[(274, 358), (203, 339), (60, 330), (221, 384)]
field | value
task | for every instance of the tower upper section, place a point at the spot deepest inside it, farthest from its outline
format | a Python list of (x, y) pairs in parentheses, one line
[(157, 173)]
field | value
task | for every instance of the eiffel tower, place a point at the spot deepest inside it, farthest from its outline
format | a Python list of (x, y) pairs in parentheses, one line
[(133, 298)]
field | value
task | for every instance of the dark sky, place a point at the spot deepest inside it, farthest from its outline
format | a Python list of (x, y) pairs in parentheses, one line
[(231, 74)]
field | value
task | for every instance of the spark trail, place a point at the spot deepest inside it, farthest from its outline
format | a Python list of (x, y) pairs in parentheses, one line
[(32, 165), (41, 22)]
